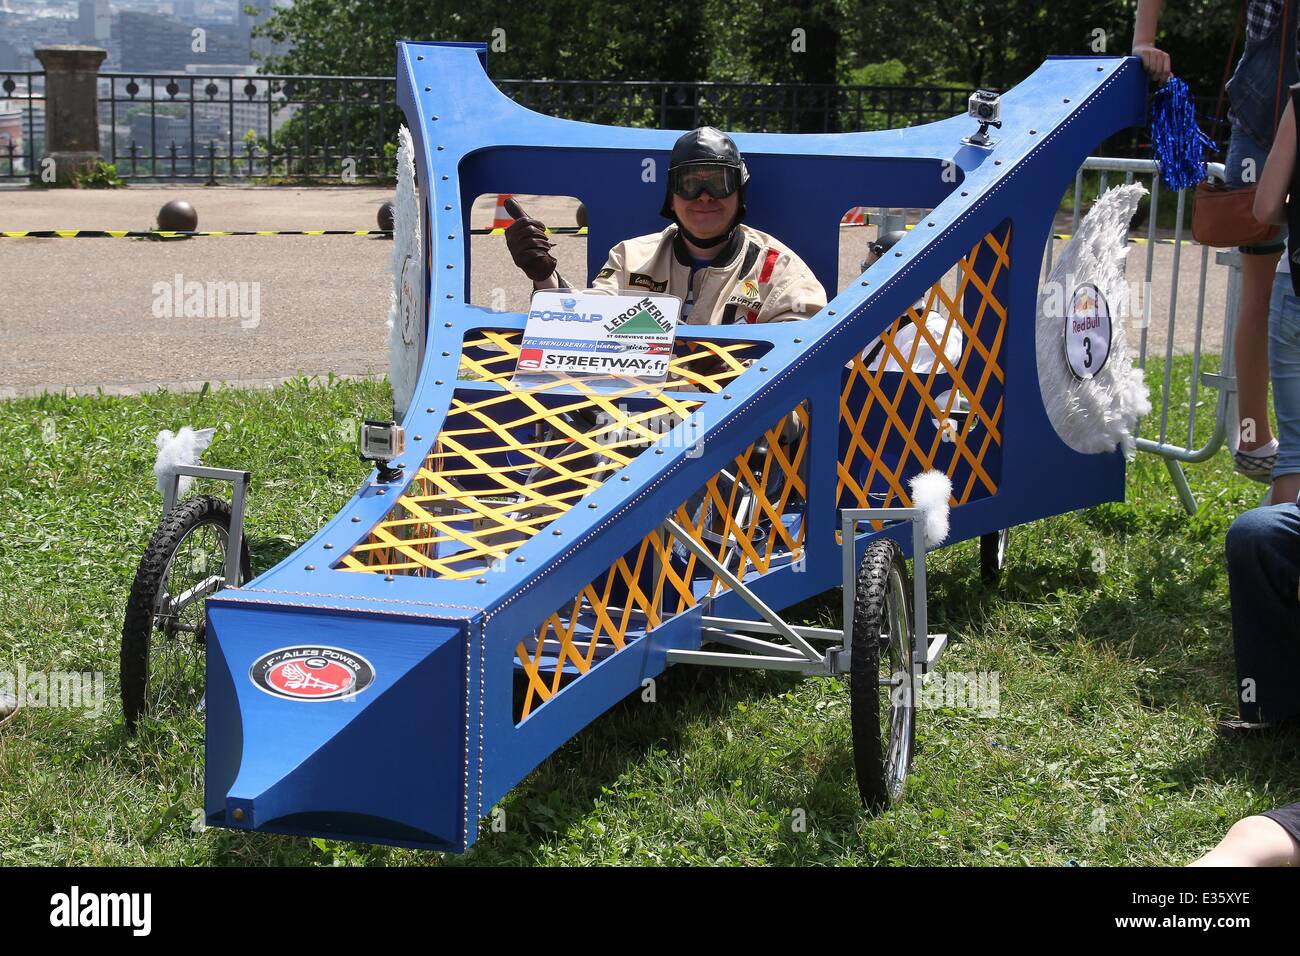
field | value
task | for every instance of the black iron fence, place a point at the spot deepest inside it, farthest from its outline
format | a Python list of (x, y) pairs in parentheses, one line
[(216, 127), (22, 123), (751, 107), (167, 126)]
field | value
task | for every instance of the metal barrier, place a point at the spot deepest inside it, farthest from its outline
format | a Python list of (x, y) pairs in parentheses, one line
[(22, 122), (1173, 448)]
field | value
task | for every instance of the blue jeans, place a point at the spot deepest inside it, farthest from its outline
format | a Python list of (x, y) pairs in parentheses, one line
[(1253, 87), (1284, 371), (1263, 548)]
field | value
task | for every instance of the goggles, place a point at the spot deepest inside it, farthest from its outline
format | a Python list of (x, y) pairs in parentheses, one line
[(718, 181)]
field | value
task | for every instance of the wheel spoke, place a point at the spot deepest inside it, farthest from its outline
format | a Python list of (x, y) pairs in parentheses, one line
[(176, 648), (897, 708)]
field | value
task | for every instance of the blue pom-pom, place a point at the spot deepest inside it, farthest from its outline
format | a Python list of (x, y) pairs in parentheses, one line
[(1177, 141)]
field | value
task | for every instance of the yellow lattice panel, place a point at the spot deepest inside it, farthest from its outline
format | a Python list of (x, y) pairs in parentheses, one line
[(507, 462), (906, 395), (739, 516)]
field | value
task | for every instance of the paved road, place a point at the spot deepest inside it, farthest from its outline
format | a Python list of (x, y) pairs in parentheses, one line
[(82, 314)]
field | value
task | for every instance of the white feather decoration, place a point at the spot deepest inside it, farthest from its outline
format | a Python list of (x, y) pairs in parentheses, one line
[(185, 447), (1097, 414), (406, 312), (930, 492)]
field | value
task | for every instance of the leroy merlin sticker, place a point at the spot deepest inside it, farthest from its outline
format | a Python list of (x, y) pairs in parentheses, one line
[(1087, 331)]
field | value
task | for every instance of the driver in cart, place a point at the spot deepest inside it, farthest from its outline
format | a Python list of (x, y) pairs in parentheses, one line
[(722, 270)]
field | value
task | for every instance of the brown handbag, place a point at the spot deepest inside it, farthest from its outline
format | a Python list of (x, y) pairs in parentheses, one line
[(1222, 215)]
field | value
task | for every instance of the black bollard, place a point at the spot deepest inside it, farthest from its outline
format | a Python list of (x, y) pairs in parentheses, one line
[(177, 215)]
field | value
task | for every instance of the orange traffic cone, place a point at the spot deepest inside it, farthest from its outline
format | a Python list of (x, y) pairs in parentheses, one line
[(500, 218)]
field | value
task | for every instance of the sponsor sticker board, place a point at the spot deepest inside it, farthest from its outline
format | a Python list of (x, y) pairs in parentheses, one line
[(592, 335)]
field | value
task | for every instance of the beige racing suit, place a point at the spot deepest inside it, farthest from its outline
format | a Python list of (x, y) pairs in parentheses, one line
[(754, 278)]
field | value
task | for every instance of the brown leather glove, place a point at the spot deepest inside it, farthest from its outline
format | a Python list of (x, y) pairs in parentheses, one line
[(529, 247)]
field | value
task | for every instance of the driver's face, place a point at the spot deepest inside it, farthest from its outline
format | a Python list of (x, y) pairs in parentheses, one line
[(705, 216)]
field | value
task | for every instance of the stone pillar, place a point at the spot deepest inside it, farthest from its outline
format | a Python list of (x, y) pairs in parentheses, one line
[(71, 107)]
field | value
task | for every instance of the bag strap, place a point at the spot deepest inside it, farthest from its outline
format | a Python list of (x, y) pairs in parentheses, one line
[(1281, 64), (1227, 66)]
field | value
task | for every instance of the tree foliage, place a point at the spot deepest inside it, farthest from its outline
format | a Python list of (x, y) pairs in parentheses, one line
[(992, 43)]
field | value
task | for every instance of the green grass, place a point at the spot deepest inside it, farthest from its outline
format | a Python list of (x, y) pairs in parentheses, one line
[(1103, 751)]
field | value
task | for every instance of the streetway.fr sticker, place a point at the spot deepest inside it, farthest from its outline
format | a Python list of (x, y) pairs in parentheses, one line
[(311, 673)]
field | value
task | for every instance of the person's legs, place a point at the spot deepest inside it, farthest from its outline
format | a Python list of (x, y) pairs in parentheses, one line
[(1284, 371), (1242, 166), (1250, 348), (1285, 488), (1254, 841), (1263, 550)]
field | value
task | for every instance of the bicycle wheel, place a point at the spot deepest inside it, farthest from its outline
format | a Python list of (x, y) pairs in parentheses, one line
[(881, 681), (163, 634)]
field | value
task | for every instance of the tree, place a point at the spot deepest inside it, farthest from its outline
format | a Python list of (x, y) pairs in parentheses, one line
[(568, 39), (991, 43)]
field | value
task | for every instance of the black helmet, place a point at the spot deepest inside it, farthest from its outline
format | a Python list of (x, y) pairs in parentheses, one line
[(886, 241), (705, 146)]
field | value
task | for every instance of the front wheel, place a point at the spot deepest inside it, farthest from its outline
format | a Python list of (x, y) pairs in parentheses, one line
[(164, 632), (881, 678)]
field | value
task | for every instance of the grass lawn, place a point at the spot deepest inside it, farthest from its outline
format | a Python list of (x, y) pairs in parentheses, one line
[(1103, 751)]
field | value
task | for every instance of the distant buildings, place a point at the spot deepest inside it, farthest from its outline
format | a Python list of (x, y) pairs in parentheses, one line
[(163, 44), (207, 47), (94, 22), (146, 36), (24, 29)]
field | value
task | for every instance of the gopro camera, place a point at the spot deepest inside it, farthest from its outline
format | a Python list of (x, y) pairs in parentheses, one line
[(985, 106), (381, 442)]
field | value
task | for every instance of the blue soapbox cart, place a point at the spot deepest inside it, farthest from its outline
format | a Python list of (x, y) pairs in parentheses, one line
[(527, 567)]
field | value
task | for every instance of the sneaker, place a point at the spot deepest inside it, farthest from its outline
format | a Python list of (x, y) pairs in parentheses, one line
[(1258, 463), (1253, 728), (8, 706)]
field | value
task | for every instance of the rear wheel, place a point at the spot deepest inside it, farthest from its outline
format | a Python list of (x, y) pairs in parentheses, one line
[(164, 632), (881, 678), (993, 555)]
